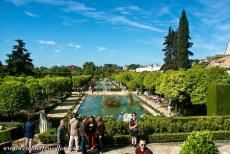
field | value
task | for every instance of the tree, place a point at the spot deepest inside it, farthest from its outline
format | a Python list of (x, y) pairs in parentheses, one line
[(1, 69), (170, 51), (88, 68), (183, 43), (59, 71), (133, 66), (19, 62)]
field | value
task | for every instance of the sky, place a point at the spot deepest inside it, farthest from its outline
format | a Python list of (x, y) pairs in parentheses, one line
[(72, 32)]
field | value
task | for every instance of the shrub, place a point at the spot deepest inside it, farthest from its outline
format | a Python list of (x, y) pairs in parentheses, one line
[(111, 101), (121, 139), (5, 136), (11, 133), (199, 142), (115, 127), (49, 137), (167, 137)]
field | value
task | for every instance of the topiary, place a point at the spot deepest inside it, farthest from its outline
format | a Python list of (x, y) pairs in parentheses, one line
[(199, 143)]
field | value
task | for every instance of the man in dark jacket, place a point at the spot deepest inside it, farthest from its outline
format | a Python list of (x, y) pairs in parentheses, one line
[(142, 149), (29, 132), (61, 136)]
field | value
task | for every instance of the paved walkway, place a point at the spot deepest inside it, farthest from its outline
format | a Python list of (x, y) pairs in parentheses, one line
[(163, 109), (157, 148), (61, 110)]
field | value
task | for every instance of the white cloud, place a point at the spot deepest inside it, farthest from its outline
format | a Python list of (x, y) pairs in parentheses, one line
[(109, 18), (73, 6), (164, 10), (127, 10), (17, 2), (124, 20), (47, 42), (30, 14), (100, 49), (56, 50), (73, 45)]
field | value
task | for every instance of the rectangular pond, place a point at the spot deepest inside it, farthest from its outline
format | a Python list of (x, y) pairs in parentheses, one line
[(103, 84), (93, 105)]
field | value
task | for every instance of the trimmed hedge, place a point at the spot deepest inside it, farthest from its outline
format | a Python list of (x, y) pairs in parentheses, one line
[(152, 125), (50, 136), (11, 134), (5, 135), (218, 99), (180, 137), (121, 139)]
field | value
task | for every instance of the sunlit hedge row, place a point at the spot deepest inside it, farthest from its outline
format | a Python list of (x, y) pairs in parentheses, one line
[(190, 85), (23, 93)]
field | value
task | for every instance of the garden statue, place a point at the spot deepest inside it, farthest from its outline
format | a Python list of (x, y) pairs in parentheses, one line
[(44, 124)]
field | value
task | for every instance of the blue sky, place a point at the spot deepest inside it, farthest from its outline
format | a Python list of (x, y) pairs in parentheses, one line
[(64, 32)]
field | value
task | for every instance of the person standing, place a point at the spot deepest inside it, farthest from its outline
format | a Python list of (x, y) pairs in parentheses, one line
[(142, 149), (92, 126), (83, 135), (61, 136), (100, 133), (74, 132), (29, 132), (133, 129)]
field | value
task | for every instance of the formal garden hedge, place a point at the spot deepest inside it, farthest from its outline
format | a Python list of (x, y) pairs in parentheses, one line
[(31, 94), (218, 99), (186, 88), (12, 131), (161, 129)]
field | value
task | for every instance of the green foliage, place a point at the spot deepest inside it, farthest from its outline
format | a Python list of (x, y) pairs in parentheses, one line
[(14, 97), (5, 135), (13, 131), (79, 81), (121, 139), (19, 62), (218, 99), (116, 127), (172, 85), (35, 91), (199, 142), (133, 66), (111, 101), (49, 137), (56, 85), (150, 80), (170, 51), (167, 137), (88, 68), (183, 43)]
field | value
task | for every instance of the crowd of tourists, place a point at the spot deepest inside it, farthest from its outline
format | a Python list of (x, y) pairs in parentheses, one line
[(86, 135), (87, 132)]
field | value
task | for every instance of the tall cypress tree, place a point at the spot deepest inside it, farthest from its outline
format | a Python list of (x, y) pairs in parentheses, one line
[(174, 51), (183, 43), (169, 51), (19, 62)]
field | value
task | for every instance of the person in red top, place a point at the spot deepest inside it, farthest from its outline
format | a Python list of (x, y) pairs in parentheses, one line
[(142, 149)]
